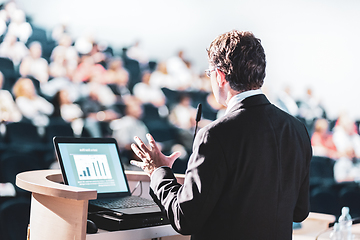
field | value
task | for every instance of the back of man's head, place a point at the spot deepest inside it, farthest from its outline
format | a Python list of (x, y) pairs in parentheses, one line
[(240, 56)]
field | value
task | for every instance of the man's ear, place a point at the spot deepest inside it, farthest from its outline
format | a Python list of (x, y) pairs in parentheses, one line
[(220, 77)]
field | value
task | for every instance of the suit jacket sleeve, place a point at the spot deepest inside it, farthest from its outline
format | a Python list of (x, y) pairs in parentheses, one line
[(302, 207), (188, 206), (301, 210)]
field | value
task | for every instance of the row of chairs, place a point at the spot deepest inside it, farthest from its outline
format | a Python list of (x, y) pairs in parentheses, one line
[(173, 96), (331, 199), (23, 136), (23, 148), (328, 196), (14, 218)]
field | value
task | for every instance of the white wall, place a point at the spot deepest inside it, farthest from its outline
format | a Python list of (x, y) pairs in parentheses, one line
[(309, 43)]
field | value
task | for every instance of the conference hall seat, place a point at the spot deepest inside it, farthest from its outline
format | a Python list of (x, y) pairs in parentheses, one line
[(350, 197), (56, 127), (12, 163), (23, 137), (321, 171), (14, 219), (8, 70), (325, 200)]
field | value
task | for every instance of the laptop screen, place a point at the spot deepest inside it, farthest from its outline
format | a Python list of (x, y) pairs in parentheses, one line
[(92, 164)]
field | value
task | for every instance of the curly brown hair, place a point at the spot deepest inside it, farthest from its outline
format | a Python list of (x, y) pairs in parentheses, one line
[(240, 56)]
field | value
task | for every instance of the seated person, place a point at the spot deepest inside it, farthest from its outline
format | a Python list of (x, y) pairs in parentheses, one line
[(86, 69), (69, 111), (322, 141), (13, 49), (146, 93), (118, 76), (32, 106), (97, 107), (34, 65), (129, 126), (347, 142), (183, 117), (9, 112)]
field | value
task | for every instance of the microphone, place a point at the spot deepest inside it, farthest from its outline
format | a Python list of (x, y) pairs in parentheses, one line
[(198, 117)]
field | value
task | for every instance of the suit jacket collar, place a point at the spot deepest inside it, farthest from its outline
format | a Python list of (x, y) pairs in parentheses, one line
[(252, 101)]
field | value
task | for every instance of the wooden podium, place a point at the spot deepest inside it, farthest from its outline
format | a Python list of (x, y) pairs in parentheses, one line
[(59, 212)]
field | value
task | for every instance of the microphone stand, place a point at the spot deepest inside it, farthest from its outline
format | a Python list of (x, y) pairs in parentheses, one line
[(198, 117)]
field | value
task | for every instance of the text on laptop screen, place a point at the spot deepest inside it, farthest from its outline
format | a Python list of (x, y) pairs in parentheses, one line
[(93, 166)]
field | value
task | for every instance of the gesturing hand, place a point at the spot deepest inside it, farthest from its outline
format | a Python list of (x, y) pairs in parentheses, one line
[(151, 157)]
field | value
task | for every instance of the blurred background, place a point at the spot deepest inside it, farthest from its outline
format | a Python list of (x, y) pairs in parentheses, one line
[(124, 68), (307, 43)]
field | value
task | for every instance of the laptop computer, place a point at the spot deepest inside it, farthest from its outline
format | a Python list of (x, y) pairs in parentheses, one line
[(94, 163)]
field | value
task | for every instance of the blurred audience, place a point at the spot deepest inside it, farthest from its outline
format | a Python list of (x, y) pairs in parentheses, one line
[(7, 11), (19, 27), (204, 83), (161, 79), (34, 65), (69, 111), (7, 190), (286, 102), (183, 117), (92, 87), (98, 55), (178, 69), (60, 29), (32, 106), (346, 137), (87, 68), (347, 142), (137, 53), (97, 107), (310, 107), (322, 140), (9, 111), (84, 43), (64, 58), (146, 93), (117, 76), (13, 49), (183, 114), (128, 126)]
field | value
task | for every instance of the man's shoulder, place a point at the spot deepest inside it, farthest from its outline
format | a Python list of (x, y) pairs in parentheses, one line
[(219, 124), (240, 117)]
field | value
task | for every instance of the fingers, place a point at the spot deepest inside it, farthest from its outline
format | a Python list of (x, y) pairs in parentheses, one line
[(146, 168), (135, 163), (151, 141), (175, 155), (144, 151), (137, 151), (138, 164)]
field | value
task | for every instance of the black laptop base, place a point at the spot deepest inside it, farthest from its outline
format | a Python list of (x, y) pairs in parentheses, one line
[(114, 221)]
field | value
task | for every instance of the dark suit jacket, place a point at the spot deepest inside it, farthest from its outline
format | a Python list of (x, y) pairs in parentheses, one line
[(248, 177)]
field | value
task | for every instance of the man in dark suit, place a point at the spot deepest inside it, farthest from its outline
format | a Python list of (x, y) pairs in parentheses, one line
[(248, 175)]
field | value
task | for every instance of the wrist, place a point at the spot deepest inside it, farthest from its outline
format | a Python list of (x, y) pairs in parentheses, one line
[(155, 170)]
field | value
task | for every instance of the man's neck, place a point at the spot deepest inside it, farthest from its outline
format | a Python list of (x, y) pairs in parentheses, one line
[(235, 97), (230, 94)]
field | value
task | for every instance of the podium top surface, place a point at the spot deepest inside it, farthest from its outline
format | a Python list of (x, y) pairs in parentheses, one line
[(49, 182)]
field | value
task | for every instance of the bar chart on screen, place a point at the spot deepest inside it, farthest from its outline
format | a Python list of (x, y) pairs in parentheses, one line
[(92, 167)]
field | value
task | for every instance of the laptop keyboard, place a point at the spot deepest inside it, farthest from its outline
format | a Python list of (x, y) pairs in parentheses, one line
[(126, 202)]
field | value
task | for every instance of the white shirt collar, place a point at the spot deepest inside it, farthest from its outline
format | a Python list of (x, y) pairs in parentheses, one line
[(241, 96)]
